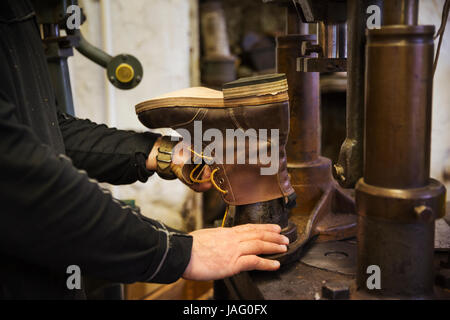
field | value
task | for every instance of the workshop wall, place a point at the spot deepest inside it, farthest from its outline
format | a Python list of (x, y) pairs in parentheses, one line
[(163, 35), (430, 13)]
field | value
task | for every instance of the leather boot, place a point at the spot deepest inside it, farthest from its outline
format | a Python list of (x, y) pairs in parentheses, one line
[(245, 105)]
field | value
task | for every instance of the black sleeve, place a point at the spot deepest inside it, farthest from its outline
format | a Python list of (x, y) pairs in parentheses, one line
[(107, 154), (54, 216)]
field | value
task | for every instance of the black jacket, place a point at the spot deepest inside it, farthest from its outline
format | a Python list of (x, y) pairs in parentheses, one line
[(53, 214)]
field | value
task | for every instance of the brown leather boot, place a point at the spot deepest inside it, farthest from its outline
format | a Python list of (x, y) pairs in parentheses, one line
[(250, 105)]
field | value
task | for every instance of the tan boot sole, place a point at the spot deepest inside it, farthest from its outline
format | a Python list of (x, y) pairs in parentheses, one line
[(254, 92)]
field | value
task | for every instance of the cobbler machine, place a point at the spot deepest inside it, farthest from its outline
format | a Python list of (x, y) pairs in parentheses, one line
[(365, 227)]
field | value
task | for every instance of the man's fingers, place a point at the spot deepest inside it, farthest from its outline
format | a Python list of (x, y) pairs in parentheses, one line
[(265, 236), (257, 227), (260, 247), (247, 263)]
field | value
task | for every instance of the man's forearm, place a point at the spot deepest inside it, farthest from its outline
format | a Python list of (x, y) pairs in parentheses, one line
[(107, 154)]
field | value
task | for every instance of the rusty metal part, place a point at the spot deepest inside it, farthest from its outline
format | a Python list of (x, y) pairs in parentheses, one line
[(349, 167), (331, 50), (403, 12), (321, 64), (322, 207), (397, 202), (331, 37), (304, 141), (336, 256), (297, 281), (411, 205), (336, 290)]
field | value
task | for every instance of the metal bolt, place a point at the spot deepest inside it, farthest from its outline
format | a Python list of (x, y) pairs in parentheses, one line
[(443, 278), (336, 290), (424, 213)]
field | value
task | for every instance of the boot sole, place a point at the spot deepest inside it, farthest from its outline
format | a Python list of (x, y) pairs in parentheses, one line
[(253, 91)]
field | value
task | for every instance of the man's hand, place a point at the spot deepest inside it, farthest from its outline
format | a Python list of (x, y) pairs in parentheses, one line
[(222, 252), (179, 158), (182, 156)]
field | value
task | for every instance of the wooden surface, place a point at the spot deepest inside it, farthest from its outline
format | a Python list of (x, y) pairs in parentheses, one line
[(180, 290)]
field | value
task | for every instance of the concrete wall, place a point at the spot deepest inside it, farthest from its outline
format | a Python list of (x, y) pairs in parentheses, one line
[(163, 35)]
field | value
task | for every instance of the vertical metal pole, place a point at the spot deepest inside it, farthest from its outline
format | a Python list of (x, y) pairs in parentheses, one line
[(349, 167), (396, 200), (404, 12), (59, 68)]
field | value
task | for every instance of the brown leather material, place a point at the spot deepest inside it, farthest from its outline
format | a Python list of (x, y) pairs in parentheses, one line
[(243, 183)]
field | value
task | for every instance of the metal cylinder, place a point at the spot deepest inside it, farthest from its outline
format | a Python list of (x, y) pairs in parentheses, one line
[(397, 202), (403, 253), (349, 168), (342, 40), (398, 106), (404, 12), (304, 134), (214, 29), (294, 25), (328, 39)]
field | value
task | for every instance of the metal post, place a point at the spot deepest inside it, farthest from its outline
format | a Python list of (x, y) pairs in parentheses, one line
[(318, 195), (396, 200), (349, 167), (404, 12), (58, 67)]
